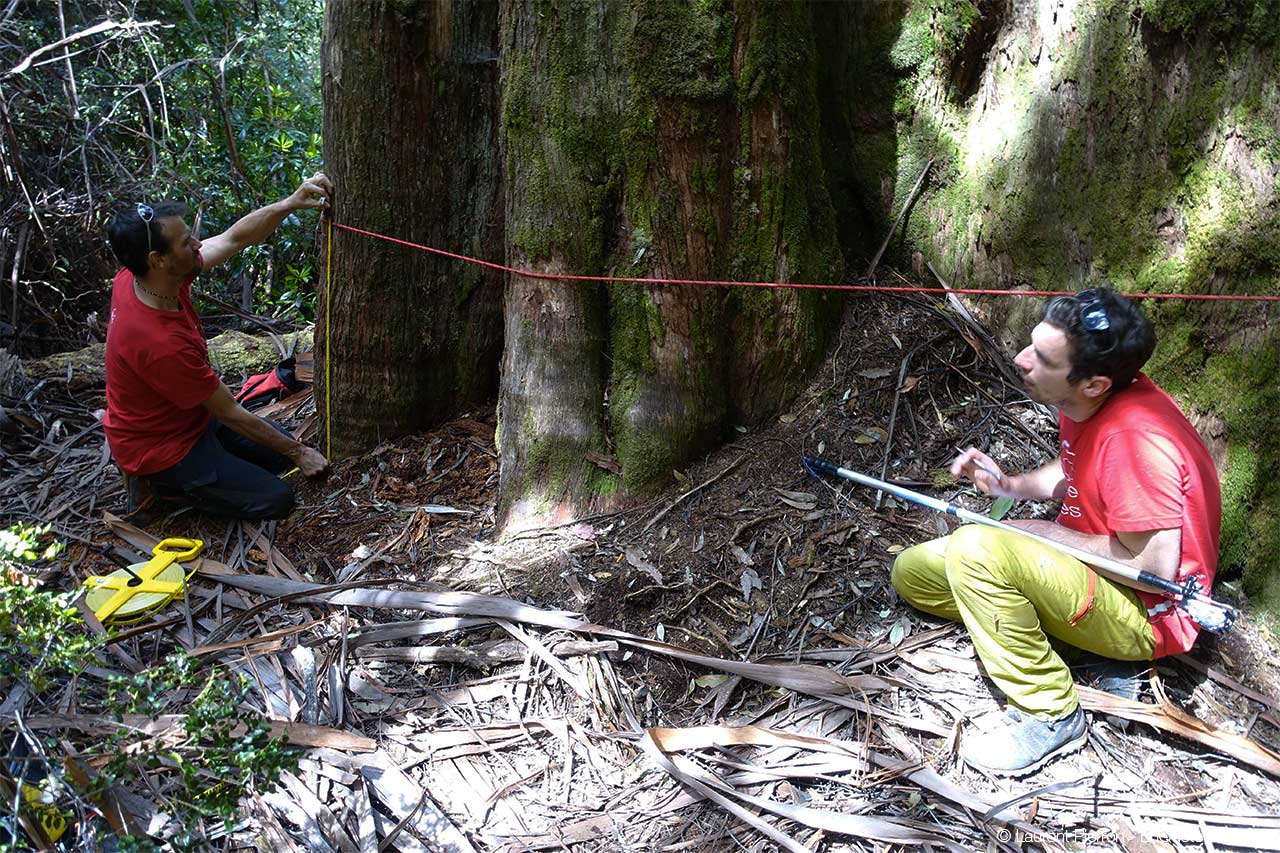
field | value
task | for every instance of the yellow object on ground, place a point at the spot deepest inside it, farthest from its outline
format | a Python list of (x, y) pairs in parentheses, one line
[(1013, 593), (130, 594), (53, 823)]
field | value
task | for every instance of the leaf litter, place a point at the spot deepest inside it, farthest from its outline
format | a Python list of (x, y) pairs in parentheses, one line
[(726, 667)]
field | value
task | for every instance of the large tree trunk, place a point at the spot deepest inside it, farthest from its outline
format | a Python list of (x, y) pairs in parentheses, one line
[(410, 130), (659, 140)]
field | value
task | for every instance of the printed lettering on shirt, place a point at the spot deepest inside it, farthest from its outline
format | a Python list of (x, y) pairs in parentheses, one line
[(1071, 500)]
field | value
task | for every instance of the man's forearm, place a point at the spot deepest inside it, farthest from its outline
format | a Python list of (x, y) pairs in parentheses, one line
[(1042, 484), (256, 429), (255, 227), (1102, 545)]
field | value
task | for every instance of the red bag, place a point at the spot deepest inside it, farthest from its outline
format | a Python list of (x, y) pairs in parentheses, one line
[(263, 388)]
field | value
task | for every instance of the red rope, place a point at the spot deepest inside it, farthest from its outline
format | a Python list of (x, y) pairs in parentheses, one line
[(878, 288)]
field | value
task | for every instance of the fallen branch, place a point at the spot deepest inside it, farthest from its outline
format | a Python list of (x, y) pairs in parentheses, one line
[(103, 27), (911, 199), (1167, 717), (298, 734)]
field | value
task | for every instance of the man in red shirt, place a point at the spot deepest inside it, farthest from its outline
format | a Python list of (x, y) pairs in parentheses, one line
[(1137, 485), (170, 420)]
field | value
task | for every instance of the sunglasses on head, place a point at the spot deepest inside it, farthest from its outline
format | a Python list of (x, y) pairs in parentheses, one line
[(1094, 318), (1093, 314), (146, 213)]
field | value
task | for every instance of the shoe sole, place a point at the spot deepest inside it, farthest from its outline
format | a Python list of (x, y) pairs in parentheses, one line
[(1070, 746)]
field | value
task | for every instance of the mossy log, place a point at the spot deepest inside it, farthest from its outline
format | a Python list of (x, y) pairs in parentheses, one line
[(233, 356)]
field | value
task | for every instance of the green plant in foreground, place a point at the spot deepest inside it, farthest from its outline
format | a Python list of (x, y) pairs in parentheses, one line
[(220, 754), (41, 634)]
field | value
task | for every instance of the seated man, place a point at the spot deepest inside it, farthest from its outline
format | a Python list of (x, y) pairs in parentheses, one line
[(1136, 484), (170, 420)]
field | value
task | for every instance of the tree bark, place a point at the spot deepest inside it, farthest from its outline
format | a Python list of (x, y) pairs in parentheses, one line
[(410, 93), (683, 143), (562, 91)]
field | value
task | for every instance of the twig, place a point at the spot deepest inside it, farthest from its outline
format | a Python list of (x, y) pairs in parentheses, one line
[(663, 512), (911, 199), (1032, 434), (104, 26), (71, 74)]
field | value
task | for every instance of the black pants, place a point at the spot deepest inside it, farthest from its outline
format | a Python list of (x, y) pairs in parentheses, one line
[(229, 475)]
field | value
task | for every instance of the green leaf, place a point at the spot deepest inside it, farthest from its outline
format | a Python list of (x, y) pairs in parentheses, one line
[(1000, 507)]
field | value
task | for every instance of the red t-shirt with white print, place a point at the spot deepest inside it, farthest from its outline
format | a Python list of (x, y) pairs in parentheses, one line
[(158, 375), (1138, 464)]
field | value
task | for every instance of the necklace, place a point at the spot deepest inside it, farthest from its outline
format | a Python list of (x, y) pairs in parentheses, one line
[(157, 296)]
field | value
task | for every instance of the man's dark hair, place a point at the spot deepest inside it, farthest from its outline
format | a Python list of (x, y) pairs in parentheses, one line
[(1109, 334), (127, 233)]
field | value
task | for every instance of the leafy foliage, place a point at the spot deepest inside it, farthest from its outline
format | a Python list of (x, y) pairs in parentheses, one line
[(41, 634), (212, 102), (221, 756), (220, 753)]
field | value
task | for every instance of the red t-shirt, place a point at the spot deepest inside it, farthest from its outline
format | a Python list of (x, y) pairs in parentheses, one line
[(158, 375), (1138, 464)]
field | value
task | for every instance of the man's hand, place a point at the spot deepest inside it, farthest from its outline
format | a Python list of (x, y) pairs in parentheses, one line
[(310, 462), (234, 416), (312, 194), (982, 470)]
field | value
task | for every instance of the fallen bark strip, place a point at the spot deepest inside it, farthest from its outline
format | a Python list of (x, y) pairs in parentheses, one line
[(298, 734), (483, 656), (1167, 717), (803, 678), (411, 805)]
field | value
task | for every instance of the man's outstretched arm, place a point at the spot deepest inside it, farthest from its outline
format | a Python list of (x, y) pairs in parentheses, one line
[(224, 407), (259, 225)]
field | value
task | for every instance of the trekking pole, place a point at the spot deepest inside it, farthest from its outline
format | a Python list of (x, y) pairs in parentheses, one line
[(1206, 612)]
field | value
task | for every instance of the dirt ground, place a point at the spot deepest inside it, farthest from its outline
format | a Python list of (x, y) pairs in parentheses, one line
[(525, 731)]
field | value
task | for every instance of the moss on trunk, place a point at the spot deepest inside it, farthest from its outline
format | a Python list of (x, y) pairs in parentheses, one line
[(659, 140)]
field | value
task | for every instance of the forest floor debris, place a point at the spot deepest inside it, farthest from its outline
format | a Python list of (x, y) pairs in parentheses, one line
[(725, 667)]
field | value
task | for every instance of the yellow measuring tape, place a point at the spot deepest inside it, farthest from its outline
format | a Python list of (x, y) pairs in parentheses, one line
[(132, 594), (328, 303)]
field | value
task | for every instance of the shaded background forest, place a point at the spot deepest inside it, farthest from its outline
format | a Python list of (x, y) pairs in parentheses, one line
[(209, 102)]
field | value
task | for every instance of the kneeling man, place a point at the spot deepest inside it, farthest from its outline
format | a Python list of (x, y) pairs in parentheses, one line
[(171, 423)]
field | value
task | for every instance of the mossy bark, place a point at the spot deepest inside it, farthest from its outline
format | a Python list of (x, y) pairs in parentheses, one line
[(661, 140), (1133, 140), (233, 356), (410, 129)]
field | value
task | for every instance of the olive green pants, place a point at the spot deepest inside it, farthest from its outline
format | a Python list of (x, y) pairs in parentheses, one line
[(1012, 594)]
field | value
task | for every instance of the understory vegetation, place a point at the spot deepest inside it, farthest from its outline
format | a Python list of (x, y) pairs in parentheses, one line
[(214, 103)]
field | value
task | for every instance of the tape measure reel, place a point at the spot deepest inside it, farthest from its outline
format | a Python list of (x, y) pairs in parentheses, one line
[(53, 822), (129, 595)]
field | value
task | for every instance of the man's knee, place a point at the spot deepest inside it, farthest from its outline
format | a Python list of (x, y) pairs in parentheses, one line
[(972, 554), (279, 502), (270, 500), (914, 573)]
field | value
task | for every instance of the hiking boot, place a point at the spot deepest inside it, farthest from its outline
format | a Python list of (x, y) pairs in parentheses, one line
[(143, 499), (1121, 678), (1024, 743)]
